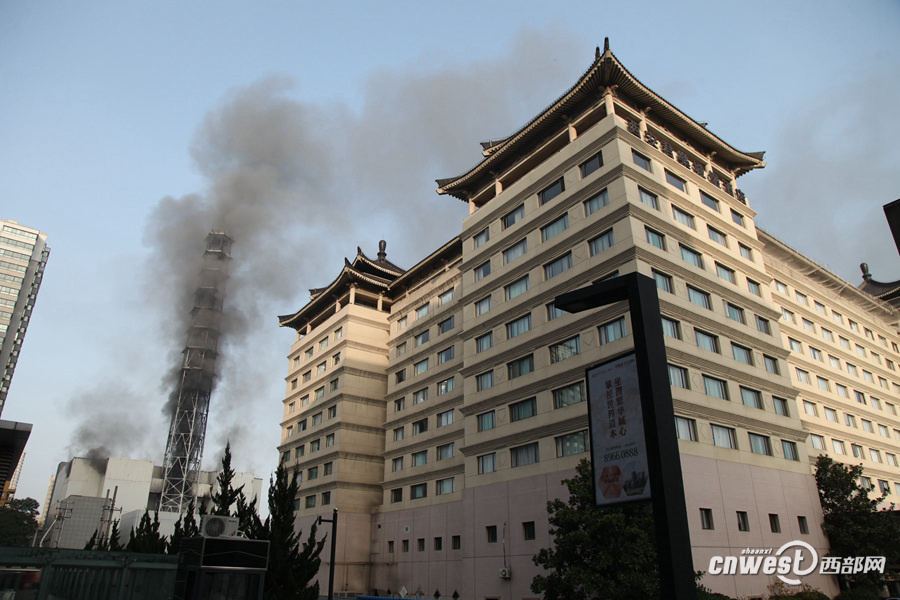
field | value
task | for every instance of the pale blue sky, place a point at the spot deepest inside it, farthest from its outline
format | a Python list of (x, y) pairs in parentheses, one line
[(365, 105)]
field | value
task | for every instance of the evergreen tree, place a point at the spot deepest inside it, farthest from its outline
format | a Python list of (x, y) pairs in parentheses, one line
[(18, 522), (597, 553), (185, 527), (248, 516), (146, 537), (853, 523), (113, 544), (291, 568), (226, 496)]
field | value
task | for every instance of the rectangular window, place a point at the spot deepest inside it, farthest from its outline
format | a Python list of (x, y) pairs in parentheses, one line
[(725, 273), (445, 451), (735, 313), (691, 256), (746, 252), (443, 486), (565, 349), (485, 342), (774, 523), (515, 251), (743, 521), (612, 331), (487, 463), (839, 447), (402, 322), (831, 414), (802, 524), (485, 380), (640, 160), (516, 288), (320, 368), (520, 367), (482, 306), (706, 341), (678, 377), (591, 165), (595, 203), (723, 437), (781, 406), (555, 228), (312, 473), (518, 327), (571, 394), (528, 531), (445, 297), (422, 311), (397, 464), (655, 238), (323, 343), (855, 448), (420, 426), (802, 376), (419, 458), (699, 297), (754, 287), (445, 326), (671, 328), (742, 354), (751, 398), (401, 348), (572, 443), (482, 271), (445, 355), (329, 440), (817, 441), (716, 388), (649, 199), (686, 429), (737, 217), (481, 237), (795, 345), (310, 501), (445, 418), (514, 217), (486, 421), (422, 338), (551, 191), (420, 396), (823, 383), (553, 312), (397, 495), (420, 490), (663, 282), (674, 180), (706, 518), (560, 265), (320, 392), (491, 532), (446, 386), (759, 444), (682, 217), (790, 450), (524, 455), (719, 237), (524, 409), (602, 242), (420, 367)]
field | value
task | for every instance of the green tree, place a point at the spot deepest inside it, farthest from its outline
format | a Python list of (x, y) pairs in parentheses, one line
[(185, 527), (597, 553), (226, 496), (853, 523), (291, 567), (113, 544), (146, 537), (18, 522)]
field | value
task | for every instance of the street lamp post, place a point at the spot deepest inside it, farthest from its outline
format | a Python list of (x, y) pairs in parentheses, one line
[(333, 520)]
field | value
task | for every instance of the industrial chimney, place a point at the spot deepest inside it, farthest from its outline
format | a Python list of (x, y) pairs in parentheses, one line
[(184, 449)]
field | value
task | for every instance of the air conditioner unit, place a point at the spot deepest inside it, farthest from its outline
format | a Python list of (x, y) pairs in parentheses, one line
[(505, 573), (214, 526)]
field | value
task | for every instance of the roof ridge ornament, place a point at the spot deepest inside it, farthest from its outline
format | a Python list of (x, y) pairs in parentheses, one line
[(865, 271), (382, 246)]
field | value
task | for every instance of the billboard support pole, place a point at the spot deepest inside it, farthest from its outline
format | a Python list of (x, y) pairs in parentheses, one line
[(673, 542)]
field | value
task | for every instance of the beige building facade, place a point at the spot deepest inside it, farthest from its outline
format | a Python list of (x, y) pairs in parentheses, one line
[(454, 391)]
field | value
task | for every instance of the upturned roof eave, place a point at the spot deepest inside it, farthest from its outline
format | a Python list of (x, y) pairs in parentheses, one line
[(605, 71)]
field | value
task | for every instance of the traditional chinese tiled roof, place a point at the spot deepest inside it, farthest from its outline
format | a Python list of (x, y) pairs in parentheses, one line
[(887, 291), (605, 72), (373, 275)]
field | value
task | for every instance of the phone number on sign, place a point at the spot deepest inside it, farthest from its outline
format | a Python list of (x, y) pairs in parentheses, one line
[(630, 453)]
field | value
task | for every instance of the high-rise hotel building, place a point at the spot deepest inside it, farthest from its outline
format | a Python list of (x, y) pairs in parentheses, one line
[(440, 407)]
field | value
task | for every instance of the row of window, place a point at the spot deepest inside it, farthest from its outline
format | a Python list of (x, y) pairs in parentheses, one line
[(726, 437), (438, 544), (837, 317), (835, 362), (320, 368), (317, 394), (520, 456), (321, 345), (310, 501), (442, 419), (423, 310), (812, 409), (419, 458), (417, 491), (827, 334), (743, 521), (316, 419), (856, 450), (841, 390), (314, 446)]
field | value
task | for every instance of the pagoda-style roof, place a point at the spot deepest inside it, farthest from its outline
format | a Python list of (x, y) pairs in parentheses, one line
[(886, 291), (374, 276), (606, 72)]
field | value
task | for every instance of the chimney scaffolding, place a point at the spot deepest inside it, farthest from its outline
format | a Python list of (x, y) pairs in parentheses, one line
[(184, 449)]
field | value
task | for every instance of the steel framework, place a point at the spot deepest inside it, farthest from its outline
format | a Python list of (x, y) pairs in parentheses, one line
[(184, 448)]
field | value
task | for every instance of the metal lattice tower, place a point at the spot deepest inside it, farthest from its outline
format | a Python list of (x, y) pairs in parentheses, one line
[(184, 449)]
